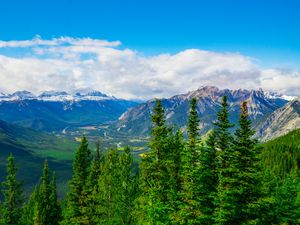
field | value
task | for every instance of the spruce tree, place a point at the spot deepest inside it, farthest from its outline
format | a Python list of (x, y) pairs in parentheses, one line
[(248, 191), (227, 208), (157, 197), (76, 196), (30, 207), (91, 189), (127, 191), (207, 180), (108, 184), (13, 195), (55, 212), (189, 209), (47, 209)]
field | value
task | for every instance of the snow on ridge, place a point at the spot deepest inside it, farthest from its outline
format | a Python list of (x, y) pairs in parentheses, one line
[(55, 96)]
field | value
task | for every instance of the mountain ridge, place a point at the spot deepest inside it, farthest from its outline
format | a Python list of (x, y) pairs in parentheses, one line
[(136, 121)]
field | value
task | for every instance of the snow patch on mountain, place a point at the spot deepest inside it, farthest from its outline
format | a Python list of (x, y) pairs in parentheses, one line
[(57, 96)]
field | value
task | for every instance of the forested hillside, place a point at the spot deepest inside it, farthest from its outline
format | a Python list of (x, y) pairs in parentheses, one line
[(224, 178), (30, 148)]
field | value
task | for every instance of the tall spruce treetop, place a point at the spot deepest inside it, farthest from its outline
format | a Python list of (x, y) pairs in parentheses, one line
[(55, 212), (223, 136), (156, 185), (189, 209), (47, 209), (247, 164), (13, 195), (44, 197), (193, 124), (159, 131), (227, 206), (76, 196)]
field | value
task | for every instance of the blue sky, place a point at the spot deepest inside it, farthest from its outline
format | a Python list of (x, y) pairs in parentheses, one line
[(247, 43), (266, 30)]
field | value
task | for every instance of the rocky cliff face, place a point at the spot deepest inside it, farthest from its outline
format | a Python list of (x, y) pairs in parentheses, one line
[(281, 121), (136, 121)]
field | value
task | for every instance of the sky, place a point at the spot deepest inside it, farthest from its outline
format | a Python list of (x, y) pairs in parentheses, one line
[(138, 49)]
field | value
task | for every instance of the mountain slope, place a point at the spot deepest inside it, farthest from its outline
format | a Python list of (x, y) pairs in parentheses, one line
[(53, 111), (281, 121), (282, 154), (30, 149), (136, 121)]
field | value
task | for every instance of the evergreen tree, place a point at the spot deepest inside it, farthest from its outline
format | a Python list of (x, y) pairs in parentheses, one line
[(47, 209), (29, 208), (91, 189), (127, 191), (157, 189), (207, 180), (13, 195), (189, 209), (109, 182), (55, 212), (76, 196), (227, 208), (248, 192)]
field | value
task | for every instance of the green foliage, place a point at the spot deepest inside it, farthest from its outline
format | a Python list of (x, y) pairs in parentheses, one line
[(159, 190), (91, 189), (224, 179), (189, 208), (30, 208), (43, 207), (117, 189), (13, 196), (207, 180), (76, 196), (280, 162), (282, 154), (238, 172)]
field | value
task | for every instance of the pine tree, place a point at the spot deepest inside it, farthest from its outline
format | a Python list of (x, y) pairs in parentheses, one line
[(189, 209), (207, 180), (227, 208), (29, 208), (127, 191), (91, 189), (76, 196), (108, 184), (55, 212), (13, 195), (157, 195), (247, 165), (47, 209)]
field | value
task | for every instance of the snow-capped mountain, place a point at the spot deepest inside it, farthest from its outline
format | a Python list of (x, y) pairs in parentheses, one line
[(56, 96), (53, 111), (136, 121)]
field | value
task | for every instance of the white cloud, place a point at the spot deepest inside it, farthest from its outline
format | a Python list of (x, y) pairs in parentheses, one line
[(73, 63)]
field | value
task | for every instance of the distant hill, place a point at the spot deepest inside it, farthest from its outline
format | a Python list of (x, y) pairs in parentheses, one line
[(30, 149), (53, 111), (136, 121), (280, 122), (282, 153)]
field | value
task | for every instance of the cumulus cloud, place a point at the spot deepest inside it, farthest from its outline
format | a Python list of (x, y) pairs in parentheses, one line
[(69, 64)]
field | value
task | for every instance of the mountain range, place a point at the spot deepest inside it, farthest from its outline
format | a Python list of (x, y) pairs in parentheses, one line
[(27, 119), (272, 113), (53, 111), (136, 121)]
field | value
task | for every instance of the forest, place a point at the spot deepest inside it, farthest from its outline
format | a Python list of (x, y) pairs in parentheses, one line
[(225, 178)]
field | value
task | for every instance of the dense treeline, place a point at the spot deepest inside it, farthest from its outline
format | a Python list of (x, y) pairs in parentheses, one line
[(224, 178)]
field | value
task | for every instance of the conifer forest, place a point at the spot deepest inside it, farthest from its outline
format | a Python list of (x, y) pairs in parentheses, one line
[(225, 177)]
